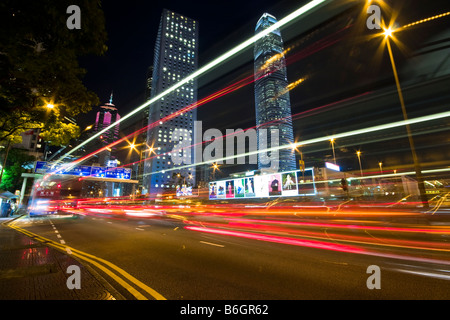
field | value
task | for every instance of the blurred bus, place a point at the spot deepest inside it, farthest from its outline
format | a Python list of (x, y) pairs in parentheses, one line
[(53, 196)]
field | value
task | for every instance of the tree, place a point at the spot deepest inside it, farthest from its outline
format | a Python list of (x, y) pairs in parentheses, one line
[(16, 164), (39, 66)]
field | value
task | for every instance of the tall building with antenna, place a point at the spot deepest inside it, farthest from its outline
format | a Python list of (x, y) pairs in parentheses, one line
[(107, 115), (272, 102)]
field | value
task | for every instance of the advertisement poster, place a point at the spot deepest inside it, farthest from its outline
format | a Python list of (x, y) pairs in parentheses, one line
[(230, 188), (306, 185), (184, 190), (249, 187), (239, 190), (220, 189), (213, 190), (289, 184), (274, 184), (285, 184), (261, 186)]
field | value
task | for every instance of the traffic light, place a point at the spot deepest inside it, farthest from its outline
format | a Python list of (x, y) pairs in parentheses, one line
[(301, 164)]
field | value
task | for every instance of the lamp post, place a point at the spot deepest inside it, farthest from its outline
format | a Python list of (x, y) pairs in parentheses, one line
[(332, 146), (358, 153), (215, 166), (424, 199)]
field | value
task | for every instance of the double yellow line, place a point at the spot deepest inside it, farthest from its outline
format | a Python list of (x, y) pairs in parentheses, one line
[(103, 265)]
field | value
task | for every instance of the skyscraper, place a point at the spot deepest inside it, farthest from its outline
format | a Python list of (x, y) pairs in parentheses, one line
[(175, 57), (142, 138), (107, 115), (272, 102)]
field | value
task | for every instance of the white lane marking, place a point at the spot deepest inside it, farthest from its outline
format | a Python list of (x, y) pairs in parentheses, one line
[(212, 244), (60, 237), (426, 274), (140, 229)]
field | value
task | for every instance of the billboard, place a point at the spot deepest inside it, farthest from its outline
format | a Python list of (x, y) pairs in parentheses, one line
[(280, 184), (220, 189), (239, 188), (83, 171), (183, 190), (229, 187), (289, 184)]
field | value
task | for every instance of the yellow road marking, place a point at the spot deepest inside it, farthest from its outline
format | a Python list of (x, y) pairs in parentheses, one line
[(91, 259)]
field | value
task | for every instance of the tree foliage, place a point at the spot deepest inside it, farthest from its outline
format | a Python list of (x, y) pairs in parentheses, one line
[(16, 164), (39, 65)]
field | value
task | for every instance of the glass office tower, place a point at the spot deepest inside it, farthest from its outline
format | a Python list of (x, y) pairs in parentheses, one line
[(175, 57), (272, 102)]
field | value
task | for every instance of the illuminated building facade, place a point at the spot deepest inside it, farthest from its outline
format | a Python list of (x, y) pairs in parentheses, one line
[(175, 57), (107, 115), (272, 102)]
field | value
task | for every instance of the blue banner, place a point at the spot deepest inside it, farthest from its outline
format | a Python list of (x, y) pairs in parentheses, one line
[(83, 171)]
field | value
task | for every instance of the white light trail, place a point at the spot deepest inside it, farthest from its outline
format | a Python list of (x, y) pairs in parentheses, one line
[(315, 4), (381, 127)]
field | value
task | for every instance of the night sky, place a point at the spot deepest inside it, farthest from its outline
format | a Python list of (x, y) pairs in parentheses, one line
[(132, 27), (347, 67)]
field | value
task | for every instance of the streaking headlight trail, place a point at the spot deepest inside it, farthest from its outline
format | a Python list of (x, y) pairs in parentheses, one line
[(315, 4), (381, 127)]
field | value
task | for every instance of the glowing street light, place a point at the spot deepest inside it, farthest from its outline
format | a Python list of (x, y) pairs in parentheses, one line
[(388, 32), (358, 153), (332, 146), (215, 167), (49, 105), (388, 35)]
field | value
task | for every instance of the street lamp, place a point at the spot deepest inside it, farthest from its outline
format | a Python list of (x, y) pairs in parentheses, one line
[(215, 167), (380, 164), (358, 153), (332, 146), (387, 35), (301, 161)]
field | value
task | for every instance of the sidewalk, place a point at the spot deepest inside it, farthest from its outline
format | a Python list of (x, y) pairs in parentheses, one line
[(31, 270)]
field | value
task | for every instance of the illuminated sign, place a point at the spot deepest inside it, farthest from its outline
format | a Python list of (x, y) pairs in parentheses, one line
[(284, 184), (332, 166), (83, 171), (184, 190)]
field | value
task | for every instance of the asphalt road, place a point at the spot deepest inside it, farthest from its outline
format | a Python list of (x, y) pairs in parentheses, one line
[(182, 264)]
